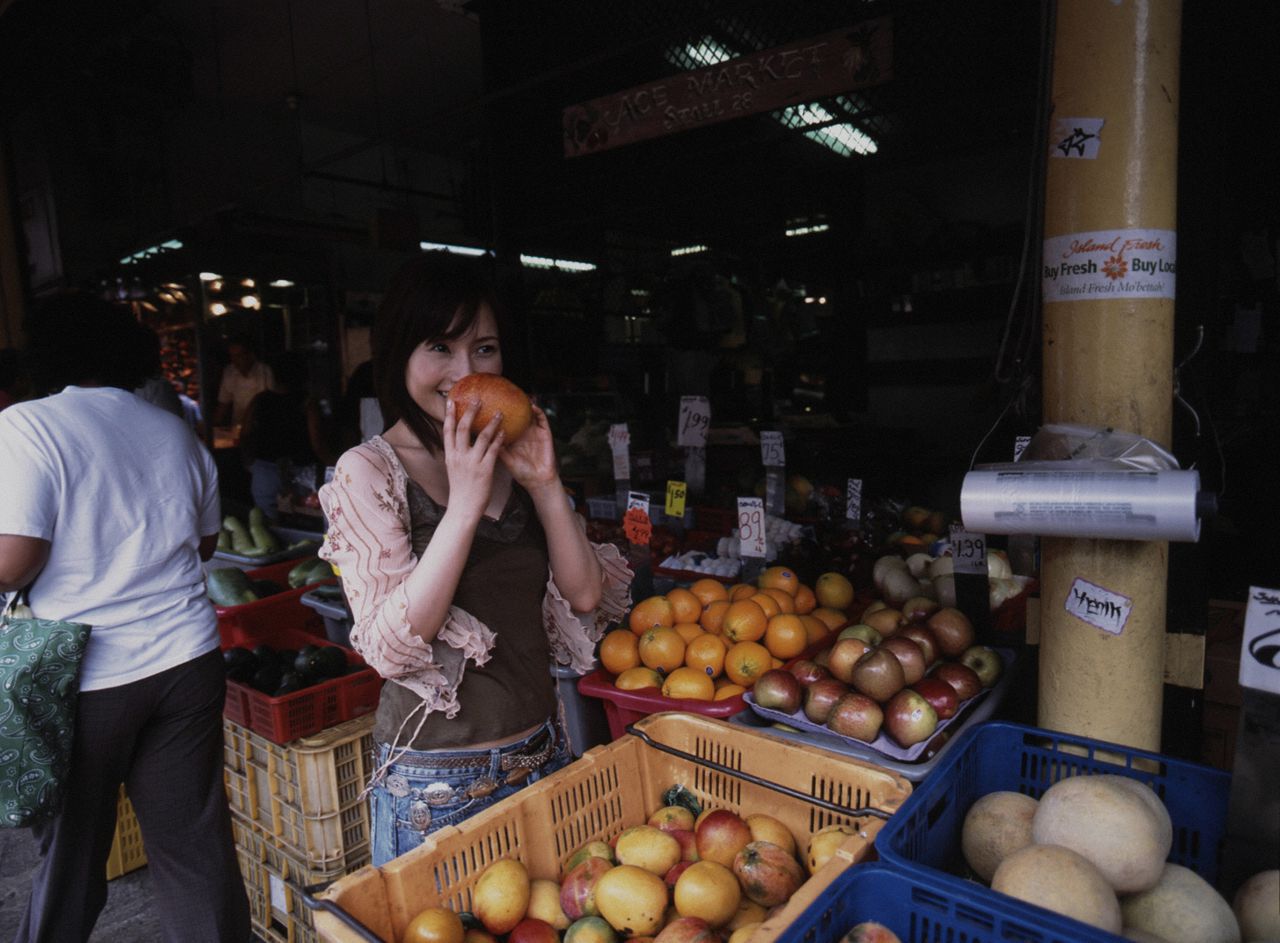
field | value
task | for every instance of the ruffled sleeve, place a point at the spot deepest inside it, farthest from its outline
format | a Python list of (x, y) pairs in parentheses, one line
[(573, 636), (368, 541)]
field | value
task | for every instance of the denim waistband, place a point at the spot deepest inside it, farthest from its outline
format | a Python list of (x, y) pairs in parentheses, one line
[(541, 739)]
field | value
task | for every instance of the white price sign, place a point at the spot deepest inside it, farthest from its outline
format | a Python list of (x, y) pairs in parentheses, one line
[(620, 446), (969, 551), (695, 421), (853, 500), (751, 527), (1260, 650), (772, 452), (638, 499)]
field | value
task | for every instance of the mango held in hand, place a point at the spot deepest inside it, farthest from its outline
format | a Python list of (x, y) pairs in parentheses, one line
[(494, 394), (501, 896)]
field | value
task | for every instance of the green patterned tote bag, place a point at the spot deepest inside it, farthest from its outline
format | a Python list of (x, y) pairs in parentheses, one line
[(39, 682)]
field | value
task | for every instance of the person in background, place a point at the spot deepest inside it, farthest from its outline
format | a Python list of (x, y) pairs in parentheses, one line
[(110, 506), (463, 565), (156, 388), (283, 432), (12, 382), (242, 379)]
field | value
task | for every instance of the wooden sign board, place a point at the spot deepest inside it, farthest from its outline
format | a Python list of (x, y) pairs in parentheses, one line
[(799, 72)]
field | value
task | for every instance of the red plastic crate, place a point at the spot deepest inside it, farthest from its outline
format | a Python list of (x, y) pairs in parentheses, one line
[(302, 713), (282, 610), (625, 707)]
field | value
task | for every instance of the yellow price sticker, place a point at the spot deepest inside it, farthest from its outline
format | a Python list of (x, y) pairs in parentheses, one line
[(676, 491)]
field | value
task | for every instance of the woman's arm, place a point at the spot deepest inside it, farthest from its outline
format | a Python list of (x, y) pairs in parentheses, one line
[(532, 462)]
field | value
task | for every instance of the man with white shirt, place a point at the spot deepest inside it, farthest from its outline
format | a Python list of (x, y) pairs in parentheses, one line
[(242, 379)]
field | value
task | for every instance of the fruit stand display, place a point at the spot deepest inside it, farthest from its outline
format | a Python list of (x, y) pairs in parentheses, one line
[(829, 807)]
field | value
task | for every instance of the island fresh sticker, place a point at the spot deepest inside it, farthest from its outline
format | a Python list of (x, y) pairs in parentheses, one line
[(1113, 263), (1097, 606)]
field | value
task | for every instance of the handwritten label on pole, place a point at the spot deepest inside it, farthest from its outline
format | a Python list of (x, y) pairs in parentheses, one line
[(968, 551), (676, 492), (1099, 607), (751, 533), (636, 523), (1076, 138), (695, 421), (620, 446), (1260, 649), (853, 500), (773, 453)]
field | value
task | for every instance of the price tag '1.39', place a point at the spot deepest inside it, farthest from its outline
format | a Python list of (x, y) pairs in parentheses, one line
[(751, 532), (969, 551)]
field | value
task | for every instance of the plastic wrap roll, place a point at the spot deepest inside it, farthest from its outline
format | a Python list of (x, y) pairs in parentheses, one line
[(1116, 505)]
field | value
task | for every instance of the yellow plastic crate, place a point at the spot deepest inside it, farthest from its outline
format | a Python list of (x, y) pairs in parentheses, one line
[(304, 796), (126, 852), (274, 881), (616, 786)]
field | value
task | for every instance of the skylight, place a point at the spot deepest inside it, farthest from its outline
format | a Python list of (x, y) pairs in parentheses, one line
[(563, 265), (450, 247)]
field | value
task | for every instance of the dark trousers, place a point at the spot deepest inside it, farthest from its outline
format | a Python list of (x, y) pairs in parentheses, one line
[(162, 738)]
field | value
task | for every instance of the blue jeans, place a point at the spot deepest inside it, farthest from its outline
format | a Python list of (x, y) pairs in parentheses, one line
[(422, 791)]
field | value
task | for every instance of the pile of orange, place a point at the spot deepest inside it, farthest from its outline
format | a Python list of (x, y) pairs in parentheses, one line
[(711, 641)]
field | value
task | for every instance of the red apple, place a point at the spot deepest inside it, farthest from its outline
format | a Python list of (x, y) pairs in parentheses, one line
[(961, 677), (878, 674), (953, 630), (688, 843), (908, 654), (494, 393), (940, 694), (778, 689), (886, 621), (844, 655), (856, 715), (820, 696), (769, 874), (871, 932), (533, 930), (862, 631), (578, 892), (923, 636), (909, 718), (721, 835), (985, 662), (919, 608), (807, 671), (687, 930)]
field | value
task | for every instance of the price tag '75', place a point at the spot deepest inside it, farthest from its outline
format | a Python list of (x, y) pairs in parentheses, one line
[(751, 533), (969, 551), (772, 452), (695, 421)]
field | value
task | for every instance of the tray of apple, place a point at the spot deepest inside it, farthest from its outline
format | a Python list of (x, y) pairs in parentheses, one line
[(898, 692)]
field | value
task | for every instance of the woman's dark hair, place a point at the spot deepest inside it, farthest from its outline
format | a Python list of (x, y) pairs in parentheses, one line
[(421, 303), (76, 337)]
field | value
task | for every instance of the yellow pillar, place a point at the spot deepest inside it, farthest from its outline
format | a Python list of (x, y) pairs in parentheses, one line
[(1110, 251)]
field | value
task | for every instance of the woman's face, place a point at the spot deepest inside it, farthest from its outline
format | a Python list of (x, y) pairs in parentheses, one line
[(435, 365)]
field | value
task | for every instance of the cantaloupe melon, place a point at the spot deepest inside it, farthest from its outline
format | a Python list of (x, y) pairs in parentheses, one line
[(1182, 907), (996, 826), (1060, 880)]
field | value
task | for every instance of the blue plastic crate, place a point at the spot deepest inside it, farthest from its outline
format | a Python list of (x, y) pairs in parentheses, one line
[(923, 837), (920, 911)]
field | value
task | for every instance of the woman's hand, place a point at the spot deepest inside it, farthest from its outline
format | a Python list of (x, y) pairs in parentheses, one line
[(470, 464), (531, 459)]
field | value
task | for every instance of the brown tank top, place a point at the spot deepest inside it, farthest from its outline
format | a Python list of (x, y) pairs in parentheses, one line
[(502, 585)]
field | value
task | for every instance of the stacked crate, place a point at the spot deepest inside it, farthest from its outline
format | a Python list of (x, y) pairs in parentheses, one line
[(298, 818)]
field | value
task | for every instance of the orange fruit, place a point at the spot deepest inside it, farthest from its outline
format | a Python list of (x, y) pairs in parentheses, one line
[(689, 683), (685, 606), (831, 618), (784, 599), (662, 648), (706, 653), (619, 650), (435, 925), (785, 636), (689, 630), (743, 621), (726, 691), (636, 679), (806, 601), (742, 591), (776, 662), (767, 603), (656, 610), (747, 661), (709, 590), (780, 577), (833, 591), (814, 628), (713, 616)]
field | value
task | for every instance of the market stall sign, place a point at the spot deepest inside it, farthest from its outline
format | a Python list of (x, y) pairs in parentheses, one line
[(799, 72)]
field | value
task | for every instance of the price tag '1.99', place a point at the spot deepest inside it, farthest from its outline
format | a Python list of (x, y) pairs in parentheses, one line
[(772, 452), (674, 506), (853, 500), (969, 551), (695, 421), (620, 446), (751, 532)]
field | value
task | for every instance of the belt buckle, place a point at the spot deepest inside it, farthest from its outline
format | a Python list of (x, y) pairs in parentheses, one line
[(397, 785), (437, 794), (481, 787), (420, 815)]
